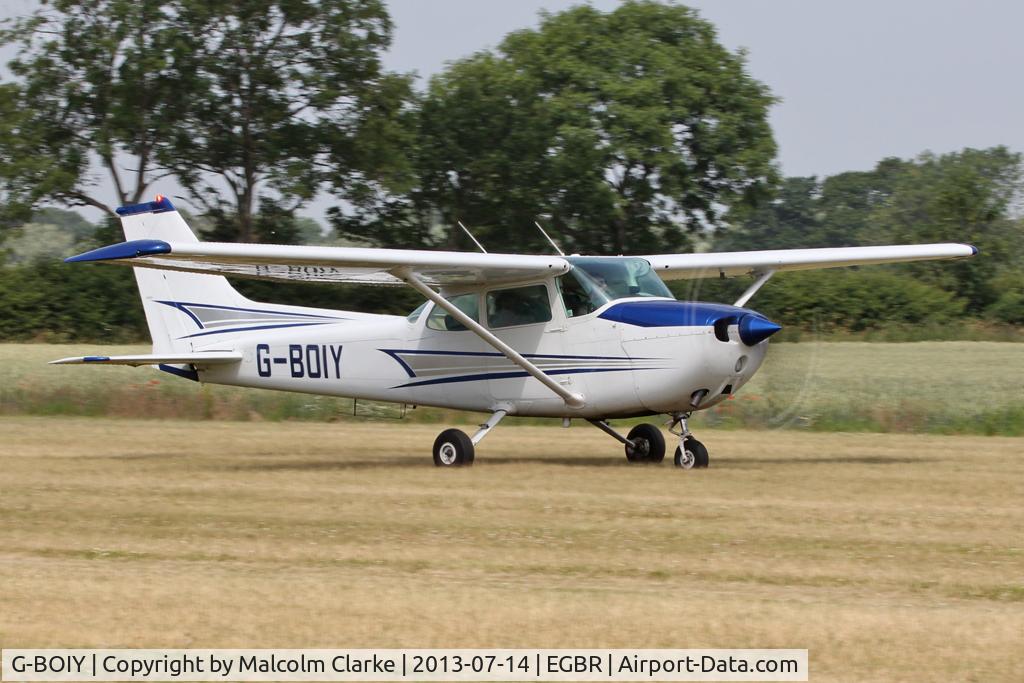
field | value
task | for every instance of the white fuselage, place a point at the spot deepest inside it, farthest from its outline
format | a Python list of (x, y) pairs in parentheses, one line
[(628, 366)]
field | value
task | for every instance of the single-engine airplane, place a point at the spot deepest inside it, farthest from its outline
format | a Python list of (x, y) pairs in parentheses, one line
[(589, 337)]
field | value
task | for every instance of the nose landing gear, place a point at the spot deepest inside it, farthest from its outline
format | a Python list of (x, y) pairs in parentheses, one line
[(690, 453)]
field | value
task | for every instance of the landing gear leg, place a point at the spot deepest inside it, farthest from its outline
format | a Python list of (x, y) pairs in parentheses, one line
[(453, 448), (644, 443), (690, 453)]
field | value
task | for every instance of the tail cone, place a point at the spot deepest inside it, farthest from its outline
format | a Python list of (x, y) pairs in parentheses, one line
[(755, 329)]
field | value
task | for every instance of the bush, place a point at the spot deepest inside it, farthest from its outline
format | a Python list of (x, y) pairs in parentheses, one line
[(49, 301), (1009, 307), (855, 301)]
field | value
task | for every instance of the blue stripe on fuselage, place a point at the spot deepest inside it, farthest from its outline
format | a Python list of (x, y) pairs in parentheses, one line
[(512, 374)]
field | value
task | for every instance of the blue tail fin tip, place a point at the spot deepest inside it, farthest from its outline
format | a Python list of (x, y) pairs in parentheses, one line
[(161, 204)]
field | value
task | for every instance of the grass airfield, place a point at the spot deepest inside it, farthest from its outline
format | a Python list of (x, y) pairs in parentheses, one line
[(890, 557)]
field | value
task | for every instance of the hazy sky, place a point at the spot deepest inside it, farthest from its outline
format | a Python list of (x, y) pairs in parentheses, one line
[(859, 81)]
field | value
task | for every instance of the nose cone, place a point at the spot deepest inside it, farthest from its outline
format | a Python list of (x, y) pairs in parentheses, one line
[(755, 329)]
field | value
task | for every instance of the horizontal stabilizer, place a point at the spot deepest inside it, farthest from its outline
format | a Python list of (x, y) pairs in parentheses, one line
[(198, 358)]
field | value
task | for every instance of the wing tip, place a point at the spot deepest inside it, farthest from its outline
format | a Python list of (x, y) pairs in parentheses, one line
[(122, 250)]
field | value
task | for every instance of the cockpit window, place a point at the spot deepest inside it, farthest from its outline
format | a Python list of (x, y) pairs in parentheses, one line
[(594, 282), (440, 319), (415, 315)]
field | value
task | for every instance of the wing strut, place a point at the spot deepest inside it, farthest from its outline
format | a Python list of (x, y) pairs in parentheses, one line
[(573, 400), (760, 282)]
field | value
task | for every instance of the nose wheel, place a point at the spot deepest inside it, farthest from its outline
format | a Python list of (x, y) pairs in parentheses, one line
[(690, 453)]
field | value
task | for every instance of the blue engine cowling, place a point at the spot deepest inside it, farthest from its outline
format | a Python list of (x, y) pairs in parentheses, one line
[(753, 327)]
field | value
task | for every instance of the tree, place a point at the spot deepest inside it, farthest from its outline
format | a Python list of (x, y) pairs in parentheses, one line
[(805, 212), (627, 130), (655, 123), (964, 196), (283, 92), (791, 219), (98, 81), (241, 101), (967, 196)]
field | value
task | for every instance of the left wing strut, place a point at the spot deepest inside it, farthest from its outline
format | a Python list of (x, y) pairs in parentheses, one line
[(761, 281), (573, 400)]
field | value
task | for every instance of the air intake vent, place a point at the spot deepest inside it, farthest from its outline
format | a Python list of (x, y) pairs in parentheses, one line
[(722, 328)]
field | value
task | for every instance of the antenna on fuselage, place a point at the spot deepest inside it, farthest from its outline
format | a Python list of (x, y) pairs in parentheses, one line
[(466, 230), (560, 252)]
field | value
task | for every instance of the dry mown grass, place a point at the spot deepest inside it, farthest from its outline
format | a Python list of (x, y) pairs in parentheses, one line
[(890, 557)]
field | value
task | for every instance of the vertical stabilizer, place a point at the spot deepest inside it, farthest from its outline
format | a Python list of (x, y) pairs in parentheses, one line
[(166, 294)]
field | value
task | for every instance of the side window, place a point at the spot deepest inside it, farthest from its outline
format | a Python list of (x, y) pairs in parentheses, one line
[(576, 298), (519, 306), (439, 318)]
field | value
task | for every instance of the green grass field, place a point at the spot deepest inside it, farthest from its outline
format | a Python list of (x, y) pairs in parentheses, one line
[(890, 557), (937, 387)]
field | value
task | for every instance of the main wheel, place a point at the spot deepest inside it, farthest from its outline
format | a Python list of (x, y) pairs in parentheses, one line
[(694, 455), (650, 444), (453, 448)]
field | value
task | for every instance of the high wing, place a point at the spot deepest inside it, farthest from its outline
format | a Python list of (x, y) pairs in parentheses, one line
[(327, 264), (446, 268), (732, 263)]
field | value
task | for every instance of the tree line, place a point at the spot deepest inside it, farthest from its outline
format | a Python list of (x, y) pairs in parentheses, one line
[(630, 131)]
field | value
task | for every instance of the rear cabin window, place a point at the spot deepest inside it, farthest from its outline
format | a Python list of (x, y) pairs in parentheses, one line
[(519, 306), (440, 319)]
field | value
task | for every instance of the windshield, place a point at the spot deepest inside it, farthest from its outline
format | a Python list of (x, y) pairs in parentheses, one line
[(594, 282), (415, 315)]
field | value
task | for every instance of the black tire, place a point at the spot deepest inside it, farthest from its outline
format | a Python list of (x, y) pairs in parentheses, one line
[(696, 456), (453, 448), (650, 444)]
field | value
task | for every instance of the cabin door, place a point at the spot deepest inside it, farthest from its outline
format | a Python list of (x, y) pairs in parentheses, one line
[(527, 318)]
